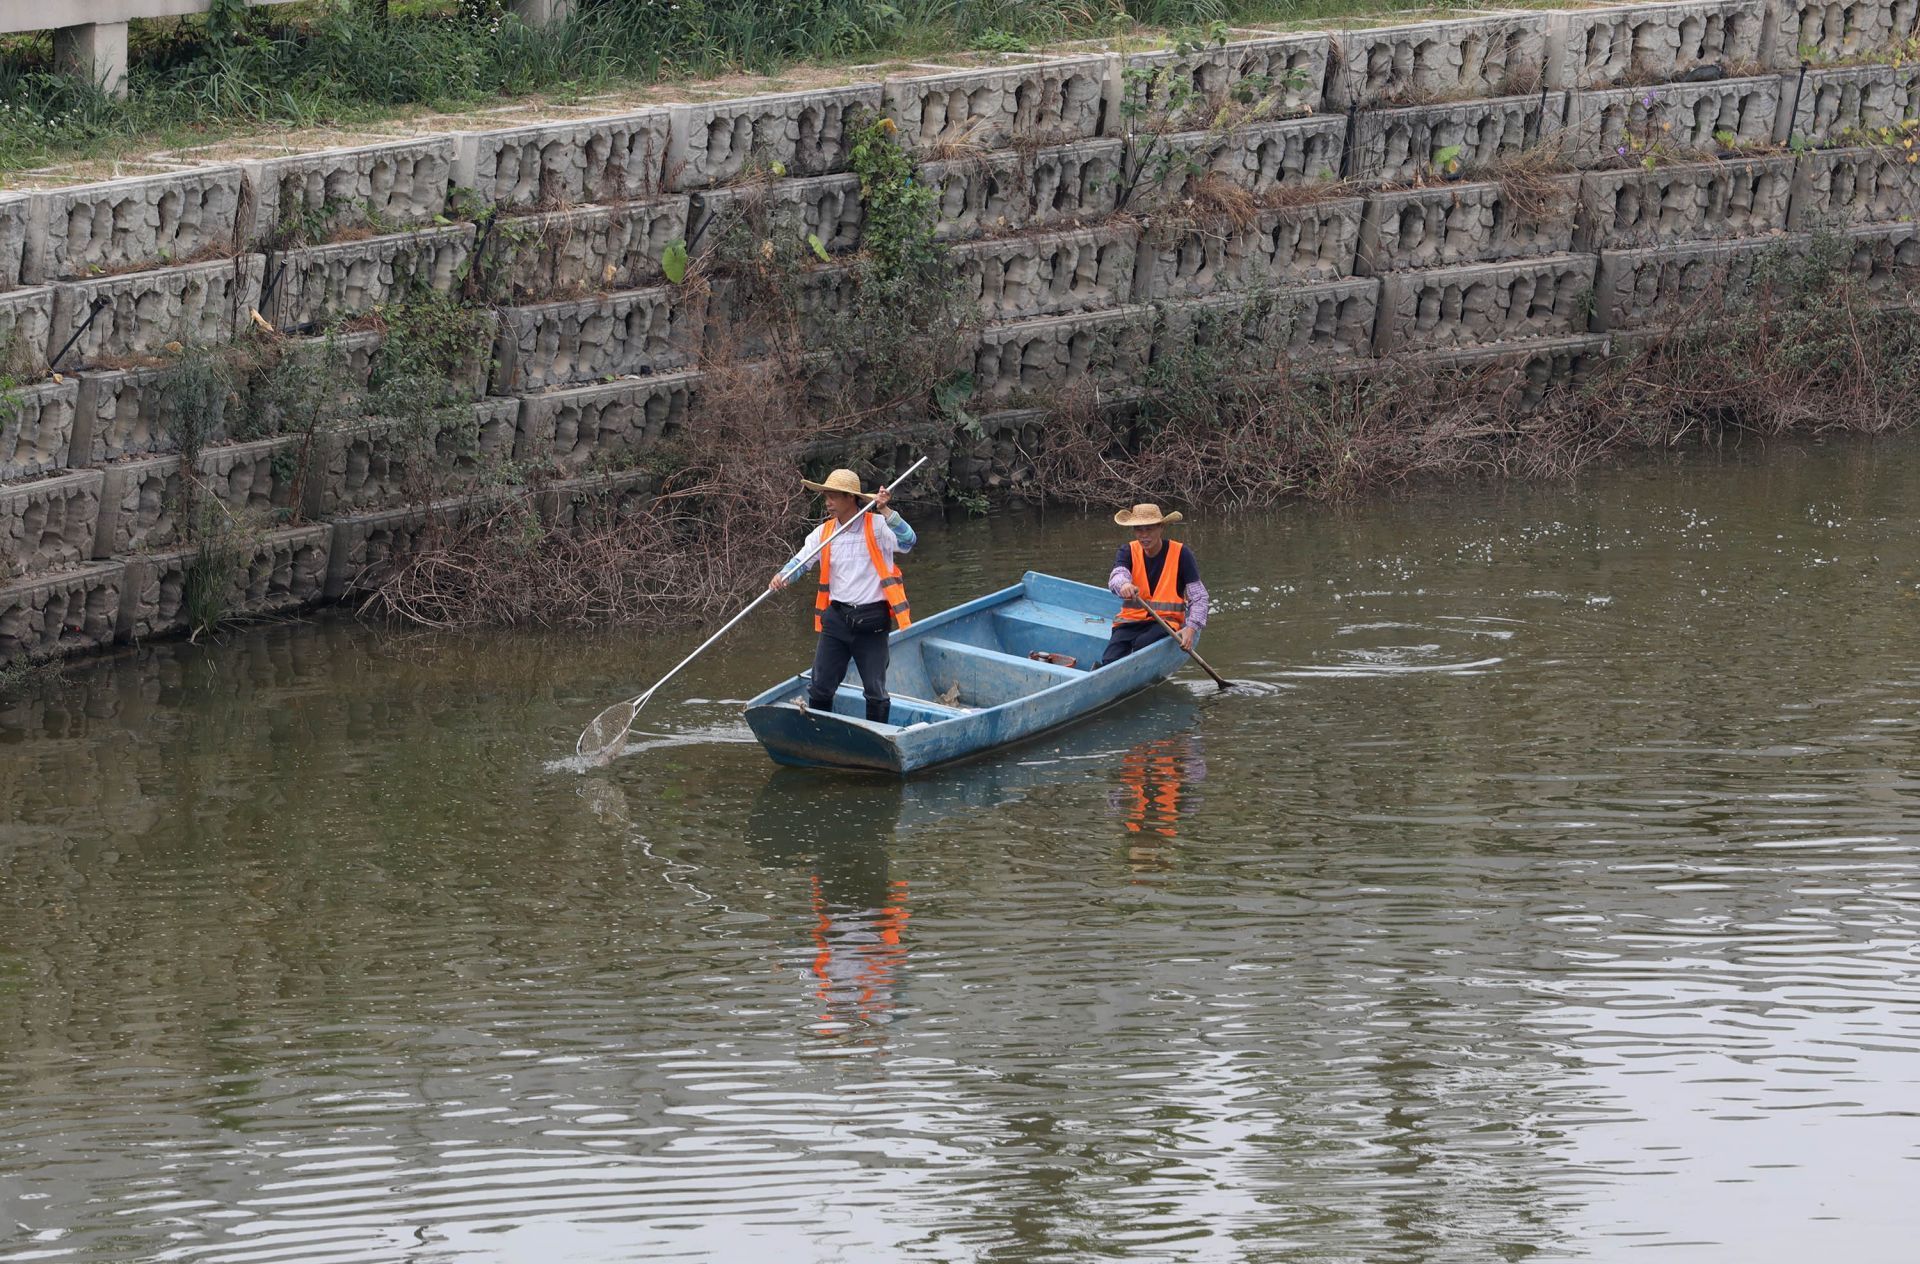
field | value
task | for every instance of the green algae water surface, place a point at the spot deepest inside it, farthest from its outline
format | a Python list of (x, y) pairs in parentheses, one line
[(1551, 894)]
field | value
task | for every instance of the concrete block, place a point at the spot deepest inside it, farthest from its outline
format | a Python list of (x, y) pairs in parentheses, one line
[(13, 239), (1276, 77), (1451, 224), (1852, 104), (578, 341), (806, 133), (1817, 30), (142, 501), (140, 505), (385, 464), (271, 573), (73, 612), (1484, 303), (573, 430), (1165, 170), (118, 413), (1398, 146), (1866, 185), (145, 222), (48, 525), (26, 323), (1677, 119), (568, 254), (597, 500), (36, 429), (1282, 246), (1627, 44), (318, 284), (976, 111), (142, 312), (1664, 286), (1013, 191), (737, 330), (1690, 202), (365, 546), (1049, 274), (1270, 330), (309, 197), (1533, 367), (1497, 55), (827, 207), (553, 166), (1886, 261), (1030, 360)]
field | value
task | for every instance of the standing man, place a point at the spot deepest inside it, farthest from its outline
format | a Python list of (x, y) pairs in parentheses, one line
[(1156, 572), (859, 597)]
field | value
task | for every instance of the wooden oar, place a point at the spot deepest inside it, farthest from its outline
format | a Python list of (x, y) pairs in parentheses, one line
[(607, 735), (1191, 653)]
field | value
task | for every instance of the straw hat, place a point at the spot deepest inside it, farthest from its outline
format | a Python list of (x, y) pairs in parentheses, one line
[(839, 481), (1144, 516)]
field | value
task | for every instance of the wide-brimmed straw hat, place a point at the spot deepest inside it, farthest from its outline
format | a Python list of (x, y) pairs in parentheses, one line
[(1145, 516), (839, 481)]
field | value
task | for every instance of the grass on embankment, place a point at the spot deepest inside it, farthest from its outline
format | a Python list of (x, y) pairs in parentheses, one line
[(343, 62)]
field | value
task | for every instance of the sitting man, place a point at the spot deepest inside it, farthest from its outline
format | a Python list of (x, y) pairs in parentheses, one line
[(1153, 574)]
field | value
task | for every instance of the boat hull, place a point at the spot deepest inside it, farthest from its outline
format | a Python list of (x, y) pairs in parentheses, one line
[(974, 655)]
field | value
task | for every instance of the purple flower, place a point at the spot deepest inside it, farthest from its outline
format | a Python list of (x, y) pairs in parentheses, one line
[(1649, 99), (1622, 151)]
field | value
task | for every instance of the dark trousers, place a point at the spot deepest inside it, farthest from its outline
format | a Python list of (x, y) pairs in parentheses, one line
[(1128, 637), (840, 645)]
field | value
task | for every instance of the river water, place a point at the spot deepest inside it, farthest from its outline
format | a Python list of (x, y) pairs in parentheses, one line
[(1549, 892)]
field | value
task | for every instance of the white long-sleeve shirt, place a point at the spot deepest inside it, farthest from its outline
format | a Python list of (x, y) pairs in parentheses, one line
[(850, 576)]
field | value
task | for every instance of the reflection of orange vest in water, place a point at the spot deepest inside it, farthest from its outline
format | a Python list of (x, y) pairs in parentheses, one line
[(1153, 775), (1164, 597), (890, 585), (859, 954)]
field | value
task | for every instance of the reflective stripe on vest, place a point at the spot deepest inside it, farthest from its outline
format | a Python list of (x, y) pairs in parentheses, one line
[(1165, 597), (890, 585)]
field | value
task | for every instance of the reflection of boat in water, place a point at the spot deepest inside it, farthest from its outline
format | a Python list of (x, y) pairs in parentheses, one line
[(806, 808), (967, 681)]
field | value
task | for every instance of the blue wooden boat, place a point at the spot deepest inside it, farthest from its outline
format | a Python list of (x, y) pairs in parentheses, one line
[(963, 683)]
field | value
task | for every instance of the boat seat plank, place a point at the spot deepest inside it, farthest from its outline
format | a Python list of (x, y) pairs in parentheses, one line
[(987, 678)]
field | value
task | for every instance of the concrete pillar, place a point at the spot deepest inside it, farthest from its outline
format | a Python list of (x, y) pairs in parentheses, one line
[(97, 52), (542, 12)]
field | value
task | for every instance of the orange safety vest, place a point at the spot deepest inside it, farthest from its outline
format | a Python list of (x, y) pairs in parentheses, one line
[(890, 585), (1165, 598)]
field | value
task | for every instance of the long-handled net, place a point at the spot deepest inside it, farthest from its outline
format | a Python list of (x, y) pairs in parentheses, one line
[(606, 736)]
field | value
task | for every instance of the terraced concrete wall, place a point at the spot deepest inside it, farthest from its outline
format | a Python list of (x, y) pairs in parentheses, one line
[(1504, 188)]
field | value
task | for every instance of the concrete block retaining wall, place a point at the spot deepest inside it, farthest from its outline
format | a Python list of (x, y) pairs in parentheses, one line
[(382, 187), (975, 111), (804, 134), (1694, 201), (1400, 146), (1650, 43), (549, 165), (13, 239), (36, 430), (1295, 244), (1494, 56), (1282, 75), (1465, 223), (1853, 186), (1314, 198), (124, 225), (1014, 192), (319, 284)]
